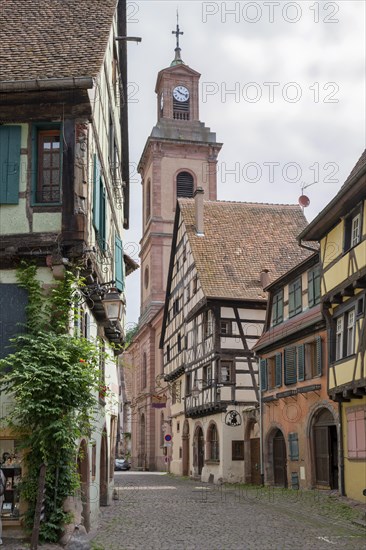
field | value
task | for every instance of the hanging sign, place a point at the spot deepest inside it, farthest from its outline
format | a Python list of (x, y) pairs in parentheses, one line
[(233, 418), (158, 401)]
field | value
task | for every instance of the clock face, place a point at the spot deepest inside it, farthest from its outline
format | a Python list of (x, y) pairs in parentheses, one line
[(180, 93)]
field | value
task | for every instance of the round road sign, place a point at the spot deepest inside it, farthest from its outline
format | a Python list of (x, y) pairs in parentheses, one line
[(167, 437)]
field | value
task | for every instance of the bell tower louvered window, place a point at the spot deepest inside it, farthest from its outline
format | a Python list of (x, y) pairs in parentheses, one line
[(185, 185)]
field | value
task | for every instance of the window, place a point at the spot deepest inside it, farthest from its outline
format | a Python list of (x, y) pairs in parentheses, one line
[(263, 374), (213, 443), (207, 375), (144, 372), (184, 185), (195, 284), (148, 201), (176, 306), (207, 323), (237, 450), (226, 372), (353, 228), (10, 141), (99, 205), (184, 253), (225, 328), (293, 446), (168, 352), (271, 373), (188, 293), (300, 360), (188, 383), (360, 306), (345, 335), (290, 365), (356, 432), (179, 343), (310, 360), (48, 189), (295, 301), (314, 287), (178, 427), (277, 308)]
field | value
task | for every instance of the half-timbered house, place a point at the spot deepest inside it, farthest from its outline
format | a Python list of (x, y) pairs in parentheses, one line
[(341, 230), (223, 254), (300, 424), (64, 190)]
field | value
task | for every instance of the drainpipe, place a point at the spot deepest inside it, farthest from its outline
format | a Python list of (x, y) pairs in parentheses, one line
[(341, 451)]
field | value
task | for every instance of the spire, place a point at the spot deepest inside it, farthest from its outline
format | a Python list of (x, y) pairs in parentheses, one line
[(177, 60)]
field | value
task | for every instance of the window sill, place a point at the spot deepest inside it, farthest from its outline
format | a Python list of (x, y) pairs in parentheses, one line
[(344, 359), (212, 461)]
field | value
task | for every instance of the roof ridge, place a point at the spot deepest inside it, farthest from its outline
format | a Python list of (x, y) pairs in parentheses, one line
[(247, 203)]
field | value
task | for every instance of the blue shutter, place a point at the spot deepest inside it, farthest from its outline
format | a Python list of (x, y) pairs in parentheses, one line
[(278, 371), (263, 374), (300, 352), (96, 194), (293, 445), (290, 366), (319, 356), (118, 260), (9, 164)]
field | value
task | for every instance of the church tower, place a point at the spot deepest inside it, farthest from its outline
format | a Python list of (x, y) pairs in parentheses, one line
[(180, 155)]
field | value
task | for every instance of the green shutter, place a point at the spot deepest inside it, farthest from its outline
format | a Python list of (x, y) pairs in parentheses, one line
[(291, 300), (293, 445), (103, 218), (96, 194), (290, 366), (300, 352), (311, 297), (263, 374), (317, 286), (118, 260), (278, 371), (9, 164), (319, 356)]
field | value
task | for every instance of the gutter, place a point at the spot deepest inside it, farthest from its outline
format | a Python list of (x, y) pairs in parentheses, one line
[(37, 84)]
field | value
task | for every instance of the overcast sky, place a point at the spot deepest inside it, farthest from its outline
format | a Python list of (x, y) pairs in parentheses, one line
[(282, 85)]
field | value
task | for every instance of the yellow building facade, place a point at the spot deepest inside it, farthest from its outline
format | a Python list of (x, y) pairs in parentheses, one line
[(341, 231)]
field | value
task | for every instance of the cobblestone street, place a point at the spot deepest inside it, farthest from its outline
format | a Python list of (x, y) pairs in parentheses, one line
[(168, 513)]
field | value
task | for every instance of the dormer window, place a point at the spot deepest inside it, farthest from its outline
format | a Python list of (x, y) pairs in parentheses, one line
[(353, 229)]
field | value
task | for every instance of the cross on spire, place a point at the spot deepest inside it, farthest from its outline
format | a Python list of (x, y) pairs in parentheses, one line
[(177, 32)]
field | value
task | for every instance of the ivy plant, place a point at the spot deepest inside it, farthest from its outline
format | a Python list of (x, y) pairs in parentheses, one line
[(53, 377)]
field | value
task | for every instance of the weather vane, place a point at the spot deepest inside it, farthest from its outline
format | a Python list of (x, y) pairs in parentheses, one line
[(177, 32)]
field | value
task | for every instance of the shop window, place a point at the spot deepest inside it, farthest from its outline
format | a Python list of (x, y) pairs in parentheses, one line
[(10, 463)]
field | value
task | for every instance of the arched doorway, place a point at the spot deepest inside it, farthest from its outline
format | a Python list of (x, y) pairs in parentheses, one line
[(103, 471), (325, 449), (279, 459), (185, 450), (199, 450), (142, 445), (83, 471)]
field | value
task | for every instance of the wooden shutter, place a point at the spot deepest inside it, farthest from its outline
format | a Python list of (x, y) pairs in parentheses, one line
[(118, 261), (103, 218), (290, 366), (96, 194), (300, 352), (278, 371), (263, 374), (319, 356), (311, 297), (291, 300), (293, 445), (9, 164)]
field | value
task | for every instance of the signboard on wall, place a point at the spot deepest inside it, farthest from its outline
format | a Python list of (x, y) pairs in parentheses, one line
[(158, 401)]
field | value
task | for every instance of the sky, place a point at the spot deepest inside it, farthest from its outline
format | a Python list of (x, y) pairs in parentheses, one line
[(282, 85)]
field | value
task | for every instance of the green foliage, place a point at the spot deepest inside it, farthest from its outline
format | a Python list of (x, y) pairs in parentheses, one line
[(54, 379), (130, 334)]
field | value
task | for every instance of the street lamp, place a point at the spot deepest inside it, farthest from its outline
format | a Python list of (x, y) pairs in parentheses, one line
[(112, 304)]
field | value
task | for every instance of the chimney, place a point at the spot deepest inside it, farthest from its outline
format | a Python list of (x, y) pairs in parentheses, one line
[(198, 199), (264, 278)]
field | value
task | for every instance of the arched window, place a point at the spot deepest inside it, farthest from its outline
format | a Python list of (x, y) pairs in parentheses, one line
[(213, 443), (185, 185), (148, 201), (144, 372)]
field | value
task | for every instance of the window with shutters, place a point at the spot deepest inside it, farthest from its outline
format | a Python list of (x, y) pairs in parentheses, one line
[(356, 432), (48, 166), (118, 264), (295, 297), (310, 360), (10, 142), (314, 287), (290, 366), (293, 446), (99, 205), (353, 228), (185, 185), (277, 308), (263, 374)]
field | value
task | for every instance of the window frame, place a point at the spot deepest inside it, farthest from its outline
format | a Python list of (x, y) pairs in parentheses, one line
[(349, 240), (229, 324), (277, 303), (213, 444), (296, 291), (237, 449), (314, 283), (230, 367), (37, 129), (342, 330)]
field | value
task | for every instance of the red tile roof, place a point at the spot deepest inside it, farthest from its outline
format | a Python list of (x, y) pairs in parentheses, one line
[(241, 240), (53, 38)]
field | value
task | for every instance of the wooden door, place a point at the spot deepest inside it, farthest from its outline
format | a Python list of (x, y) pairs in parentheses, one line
[(200, 451), (322, 455), (255, 466), (279, 460)]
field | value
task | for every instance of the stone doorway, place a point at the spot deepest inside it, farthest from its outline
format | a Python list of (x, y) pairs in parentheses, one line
[(279, 459), (199, 450)]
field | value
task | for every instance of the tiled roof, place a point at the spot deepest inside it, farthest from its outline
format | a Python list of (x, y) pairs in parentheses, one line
[(240, 240), (53, 38)]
